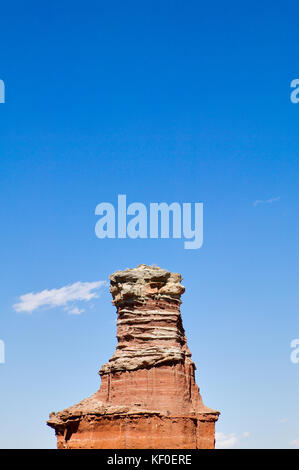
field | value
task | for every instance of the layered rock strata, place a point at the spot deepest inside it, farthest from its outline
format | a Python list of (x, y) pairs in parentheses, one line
[(148, 396)]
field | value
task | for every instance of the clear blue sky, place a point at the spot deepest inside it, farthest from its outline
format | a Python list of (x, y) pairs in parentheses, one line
[(162, 101)]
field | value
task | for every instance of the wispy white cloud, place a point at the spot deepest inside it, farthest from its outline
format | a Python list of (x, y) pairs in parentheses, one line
[(283, 420), (225, 441), (295, 443), (62, 297), (266, 201), (75, 310)]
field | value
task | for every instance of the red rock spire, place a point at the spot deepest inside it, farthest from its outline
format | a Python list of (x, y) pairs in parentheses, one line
[(148, 396)]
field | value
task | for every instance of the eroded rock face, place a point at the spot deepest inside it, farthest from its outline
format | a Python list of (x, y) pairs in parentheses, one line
[(148, 396)]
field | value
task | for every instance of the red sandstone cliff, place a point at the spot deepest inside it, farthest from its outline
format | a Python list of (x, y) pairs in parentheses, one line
[(148, 396)]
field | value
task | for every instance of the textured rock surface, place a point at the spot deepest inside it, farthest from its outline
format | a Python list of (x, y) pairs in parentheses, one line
[(148, 396)]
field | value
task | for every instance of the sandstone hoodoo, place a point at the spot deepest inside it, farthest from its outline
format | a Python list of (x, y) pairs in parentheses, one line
[(148, 396)]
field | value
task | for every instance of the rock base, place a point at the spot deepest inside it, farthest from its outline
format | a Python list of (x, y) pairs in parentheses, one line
[(140, 432)]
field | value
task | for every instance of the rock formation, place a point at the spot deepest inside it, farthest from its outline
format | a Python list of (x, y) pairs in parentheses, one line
[(148, 396)]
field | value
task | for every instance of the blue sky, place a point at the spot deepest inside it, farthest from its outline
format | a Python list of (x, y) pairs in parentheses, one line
[(161, 101)]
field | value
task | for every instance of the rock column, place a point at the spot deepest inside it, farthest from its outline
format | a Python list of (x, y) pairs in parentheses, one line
[(148, 396)]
